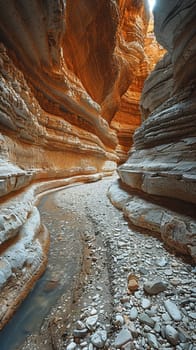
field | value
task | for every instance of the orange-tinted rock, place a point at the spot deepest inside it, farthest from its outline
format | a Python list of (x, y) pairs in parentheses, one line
[(132, 283), (74, 72), (66, 68), (163, 161), (128, 117)]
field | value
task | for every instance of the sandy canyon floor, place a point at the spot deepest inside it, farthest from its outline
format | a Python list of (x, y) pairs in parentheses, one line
[(107, 285)]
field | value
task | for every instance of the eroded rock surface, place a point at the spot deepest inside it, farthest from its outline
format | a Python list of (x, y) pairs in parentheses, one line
[(161, 168), (128, 117), (64, 69)]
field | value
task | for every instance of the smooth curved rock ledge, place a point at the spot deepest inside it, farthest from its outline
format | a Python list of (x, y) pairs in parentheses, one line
[(177, 230), (167, 170), (66, 69), (162, 162), (24, 242)]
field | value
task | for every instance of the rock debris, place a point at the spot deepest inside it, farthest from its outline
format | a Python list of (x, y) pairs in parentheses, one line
[(158, 314)]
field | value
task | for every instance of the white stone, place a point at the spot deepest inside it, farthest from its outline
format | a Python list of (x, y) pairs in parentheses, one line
[(71, 346), (99, 338), (145, 303), (91, 322), (161, 262), (172, 310), (123, 337), (152, 341), (133, 313), (192, 315), (119, 320)]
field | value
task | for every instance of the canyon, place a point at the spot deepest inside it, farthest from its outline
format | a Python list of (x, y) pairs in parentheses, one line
[(88, 88)]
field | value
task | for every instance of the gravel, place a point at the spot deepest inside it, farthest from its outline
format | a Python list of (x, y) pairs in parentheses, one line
[(158, 314)]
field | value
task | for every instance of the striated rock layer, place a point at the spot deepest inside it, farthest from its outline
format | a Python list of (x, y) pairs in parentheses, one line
[(128, 117), (66, 69), (161, 168)]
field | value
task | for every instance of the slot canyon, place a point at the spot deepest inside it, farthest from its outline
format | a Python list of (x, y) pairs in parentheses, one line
[(97, 175)]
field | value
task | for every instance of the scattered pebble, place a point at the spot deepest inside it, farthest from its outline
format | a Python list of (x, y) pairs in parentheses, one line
[(123, 337), (172, 335), (155, 286), (71, 346), (91, 322), (99, 338), (152, 292), (152, 341), (145, 303), (132, 283), (118, 320), (144, 318), (133, 313), (172, 310)]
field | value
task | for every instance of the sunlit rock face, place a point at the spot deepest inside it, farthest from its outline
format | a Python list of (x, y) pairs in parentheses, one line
[(162, 165), (128, 116), (64, 68), (67, 68)]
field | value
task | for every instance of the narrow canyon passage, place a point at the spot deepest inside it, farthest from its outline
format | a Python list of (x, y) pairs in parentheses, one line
[(93, 254), (88, 90)]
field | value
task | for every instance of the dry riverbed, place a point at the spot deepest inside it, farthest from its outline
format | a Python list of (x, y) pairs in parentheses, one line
[(120, 288)]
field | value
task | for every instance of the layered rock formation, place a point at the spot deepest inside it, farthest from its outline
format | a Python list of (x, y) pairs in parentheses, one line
[(128, 117), (64, 66), (161, 170)]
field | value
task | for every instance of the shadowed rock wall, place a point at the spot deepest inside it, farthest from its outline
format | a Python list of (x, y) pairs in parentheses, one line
[(161, 168)]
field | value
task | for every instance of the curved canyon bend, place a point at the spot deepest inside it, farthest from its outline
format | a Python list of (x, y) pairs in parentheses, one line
[(97, 175), (92, 274)]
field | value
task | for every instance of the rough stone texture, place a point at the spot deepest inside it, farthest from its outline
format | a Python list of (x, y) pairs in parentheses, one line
[(65, 69), (176, 229), (162, 165), (65, 73), (128, 117)]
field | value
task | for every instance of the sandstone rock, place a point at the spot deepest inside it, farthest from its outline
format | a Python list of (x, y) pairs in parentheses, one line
[(132, 283), (57, 122), (162, 160), (56, 110)]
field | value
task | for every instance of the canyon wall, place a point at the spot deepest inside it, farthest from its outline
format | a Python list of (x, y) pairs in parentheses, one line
[(128, 116), (68, 69), (159, 177)]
